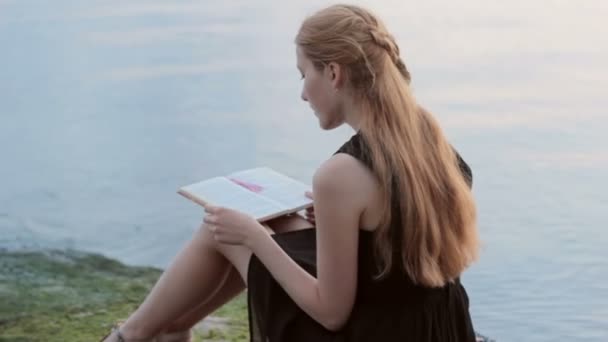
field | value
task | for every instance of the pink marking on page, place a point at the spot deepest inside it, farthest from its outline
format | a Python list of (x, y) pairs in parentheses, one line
[(249, 186)]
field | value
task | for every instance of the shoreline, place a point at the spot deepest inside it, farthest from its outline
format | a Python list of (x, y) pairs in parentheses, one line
[(68, 295), (74, 296)]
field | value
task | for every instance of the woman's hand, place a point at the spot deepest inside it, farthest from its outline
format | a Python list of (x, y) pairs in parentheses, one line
[(231, 226), (310, 212)]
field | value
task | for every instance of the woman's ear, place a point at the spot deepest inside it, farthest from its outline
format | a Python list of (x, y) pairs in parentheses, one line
[(336, 75)]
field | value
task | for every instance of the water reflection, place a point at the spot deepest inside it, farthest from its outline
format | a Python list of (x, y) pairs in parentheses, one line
[(107, 108)]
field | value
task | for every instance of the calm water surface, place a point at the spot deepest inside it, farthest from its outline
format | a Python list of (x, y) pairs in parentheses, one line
[(107, 107)]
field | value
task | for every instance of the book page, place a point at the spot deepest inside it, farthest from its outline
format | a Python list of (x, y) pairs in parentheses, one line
[(287, 192), (220, 191)]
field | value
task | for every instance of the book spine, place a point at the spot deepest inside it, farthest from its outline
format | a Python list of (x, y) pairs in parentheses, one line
[(192, 198)]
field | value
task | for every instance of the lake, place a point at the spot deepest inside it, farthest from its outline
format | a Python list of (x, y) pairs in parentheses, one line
[(107, 107)]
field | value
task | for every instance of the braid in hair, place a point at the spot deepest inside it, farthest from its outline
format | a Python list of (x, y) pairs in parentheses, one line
[(388, 43)]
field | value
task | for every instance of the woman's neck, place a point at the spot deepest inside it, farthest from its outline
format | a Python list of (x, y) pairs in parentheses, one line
[(352, 115)]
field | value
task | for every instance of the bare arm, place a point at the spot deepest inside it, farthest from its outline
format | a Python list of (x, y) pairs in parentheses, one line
[(338, 204)]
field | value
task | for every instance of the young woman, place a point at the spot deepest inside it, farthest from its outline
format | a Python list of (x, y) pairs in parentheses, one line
[(395, 219)]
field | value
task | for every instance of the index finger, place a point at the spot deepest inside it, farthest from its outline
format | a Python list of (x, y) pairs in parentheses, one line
[(210, 208)]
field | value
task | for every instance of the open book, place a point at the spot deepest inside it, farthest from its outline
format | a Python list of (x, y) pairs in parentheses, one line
[(260, 192)]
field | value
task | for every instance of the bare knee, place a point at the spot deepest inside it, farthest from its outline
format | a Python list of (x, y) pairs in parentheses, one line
[(204, 236), (237, 255), (289, 223)]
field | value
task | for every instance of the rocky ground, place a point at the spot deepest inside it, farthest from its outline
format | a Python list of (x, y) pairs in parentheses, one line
[(72, 296)]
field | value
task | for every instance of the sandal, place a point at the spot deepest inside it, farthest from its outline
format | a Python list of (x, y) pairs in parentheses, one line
[(120, 338)]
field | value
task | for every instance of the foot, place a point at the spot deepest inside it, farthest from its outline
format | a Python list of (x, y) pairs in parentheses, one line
[(118, 336)]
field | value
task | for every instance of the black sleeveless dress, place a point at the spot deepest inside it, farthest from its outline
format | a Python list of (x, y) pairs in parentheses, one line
[(392, 309)]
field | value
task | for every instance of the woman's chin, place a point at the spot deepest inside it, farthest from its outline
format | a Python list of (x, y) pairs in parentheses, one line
[(328, 125)]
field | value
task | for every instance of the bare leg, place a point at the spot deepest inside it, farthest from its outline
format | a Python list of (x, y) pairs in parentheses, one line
[(289, 223), (193, 277), (233, 285)]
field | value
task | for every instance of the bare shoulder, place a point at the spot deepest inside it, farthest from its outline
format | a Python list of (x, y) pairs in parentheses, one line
[(340, 170), (346, 176)]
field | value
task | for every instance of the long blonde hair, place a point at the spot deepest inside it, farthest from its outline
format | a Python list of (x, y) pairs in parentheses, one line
[(409, 153)]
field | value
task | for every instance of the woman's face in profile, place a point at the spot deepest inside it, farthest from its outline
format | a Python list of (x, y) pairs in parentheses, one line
[(318, 91)]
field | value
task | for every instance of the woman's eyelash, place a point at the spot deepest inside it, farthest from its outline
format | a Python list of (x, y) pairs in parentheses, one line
[(302, 76)]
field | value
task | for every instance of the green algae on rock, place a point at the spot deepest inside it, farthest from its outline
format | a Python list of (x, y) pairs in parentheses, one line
[(73, 296), (70, 296)]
